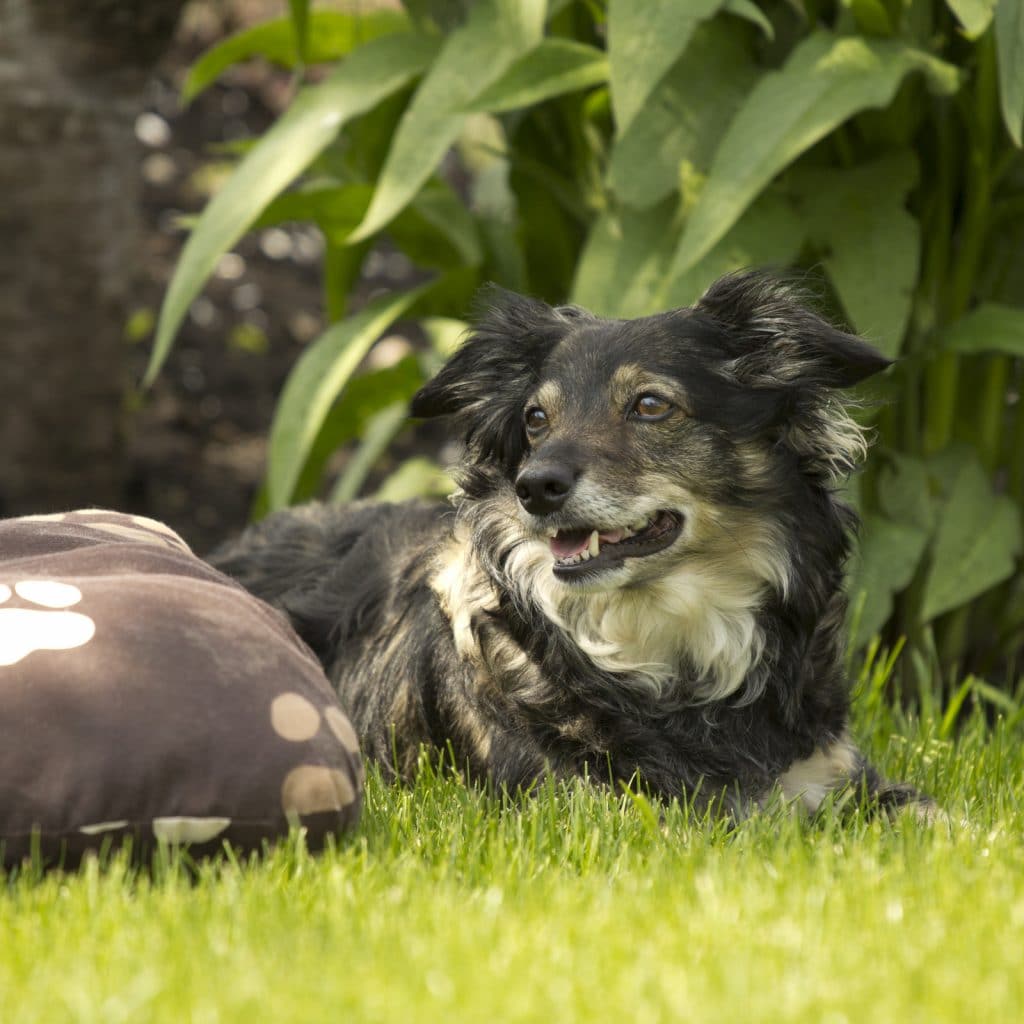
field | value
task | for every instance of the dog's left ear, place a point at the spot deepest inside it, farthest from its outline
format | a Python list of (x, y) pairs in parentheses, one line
[(777, 338)]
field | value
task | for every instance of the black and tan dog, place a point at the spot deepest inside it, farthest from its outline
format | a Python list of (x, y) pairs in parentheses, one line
[(642, 572)]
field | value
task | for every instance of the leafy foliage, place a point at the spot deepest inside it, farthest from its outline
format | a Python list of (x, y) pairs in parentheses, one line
[(623, 155)]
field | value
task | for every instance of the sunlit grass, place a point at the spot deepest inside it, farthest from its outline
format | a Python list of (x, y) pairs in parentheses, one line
[(575, 905)]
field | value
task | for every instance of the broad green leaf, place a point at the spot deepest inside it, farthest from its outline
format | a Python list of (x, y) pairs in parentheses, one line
[(976, 545), (684, 117), (904, 491), (749, 11), (335, 209), (495, 34), (381, 430), (342, 266), (1010, 48), (483, 148), (622, 270), (312, 122), (445, 15), (871, 16), (858, 220), (768, 234), (553, 67), (367, 394), (314, 384), (332, 34), (364, 396), (989, 328), (550, 231), (436, 229), (826, 80), (623, 261), (416, 478), (974, 15), (887, 557), (945, 466), (644, 41)]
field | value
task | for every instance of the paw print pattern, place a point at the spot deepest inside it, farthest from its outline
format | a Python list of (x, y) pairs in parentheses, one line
[(144, 698), (115, 524), (46, 625), (308, 788)]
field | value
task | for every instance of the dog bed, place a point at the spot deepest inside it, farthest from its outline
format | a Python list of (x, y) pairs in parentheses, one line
[(145, 695)]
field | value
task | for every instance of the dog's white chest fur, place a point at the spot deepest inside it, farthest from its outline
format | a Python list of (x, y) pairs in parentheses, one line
[(698, 621)]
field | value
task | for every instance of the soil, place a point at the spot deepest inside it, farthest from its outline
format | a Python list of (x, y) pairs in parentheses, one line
[(196, 442)]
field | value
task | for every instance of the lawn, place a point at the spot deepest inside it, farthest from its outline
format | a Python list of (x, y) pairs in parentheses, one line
[(577, 905)]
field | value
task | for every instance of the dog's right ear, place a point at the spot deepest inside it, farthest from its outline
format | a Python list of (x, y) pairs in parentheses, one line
[(486, 382), (509, 339)]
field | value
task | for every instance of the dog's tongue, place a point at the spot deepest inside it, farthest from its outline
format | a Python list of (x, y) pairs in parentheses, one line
[(567, 543)]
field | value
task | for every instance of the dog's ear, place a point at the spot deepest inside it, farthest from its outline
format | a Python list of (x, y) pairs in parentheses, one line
[(795, 359), (486, 381), (777, 338)]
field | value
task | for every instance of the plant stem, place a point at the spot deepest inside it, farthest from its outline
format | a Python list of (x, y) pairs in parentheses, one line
[(940, 384), (980, 126), (988, 407), (1015, 483), (991, 412)]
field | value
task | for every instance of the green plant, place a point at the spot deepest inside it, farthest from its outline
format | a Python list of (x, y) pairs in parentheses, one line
[(622, 155)]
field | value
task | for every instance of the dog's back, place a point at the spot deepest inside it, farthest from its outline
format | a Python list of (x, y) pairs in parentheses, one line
[(354, 582)]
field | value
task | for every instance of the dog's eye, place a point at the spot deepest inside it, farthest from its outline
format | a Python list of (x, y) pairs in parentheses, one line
[(536, 420), (650, 407)]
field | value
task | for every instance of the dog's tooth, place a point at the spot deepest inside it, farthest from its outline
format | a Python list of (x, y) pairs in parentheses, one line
[(640, 524), (594, 547)]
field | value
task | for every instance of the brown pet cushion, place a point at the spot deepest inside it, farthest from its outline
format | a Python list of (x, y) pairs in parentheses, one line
[(144, 694)]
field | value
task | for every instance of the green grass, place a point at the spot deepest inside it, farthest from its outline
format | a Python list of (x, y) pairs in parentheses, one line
[(449, 905)]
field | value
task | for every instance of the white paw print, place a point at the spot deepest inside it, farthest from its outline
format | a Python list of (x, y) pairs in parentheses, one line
[(24, 630)]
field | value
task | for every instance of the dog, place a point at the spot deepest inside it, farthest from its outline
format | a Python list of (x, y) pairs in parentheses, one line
[(640, 575)]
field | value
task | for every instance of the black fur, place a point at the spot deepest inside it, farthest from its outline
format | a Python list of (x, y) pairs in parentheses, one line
[(758, 375)]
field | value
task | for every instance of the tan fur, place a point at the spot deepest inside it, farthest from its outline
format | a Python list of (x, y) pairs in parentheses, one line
[(463, 589), (835, 445), (701, 612), (811, 780)]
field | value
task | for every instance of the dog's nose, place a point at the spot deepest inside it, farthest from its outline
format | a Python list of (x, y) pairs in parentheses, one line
[(542, 489)]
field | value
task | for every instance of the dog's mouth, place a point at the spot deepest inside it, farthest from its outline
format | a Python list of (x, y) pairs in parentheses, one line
[(586, 550)]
